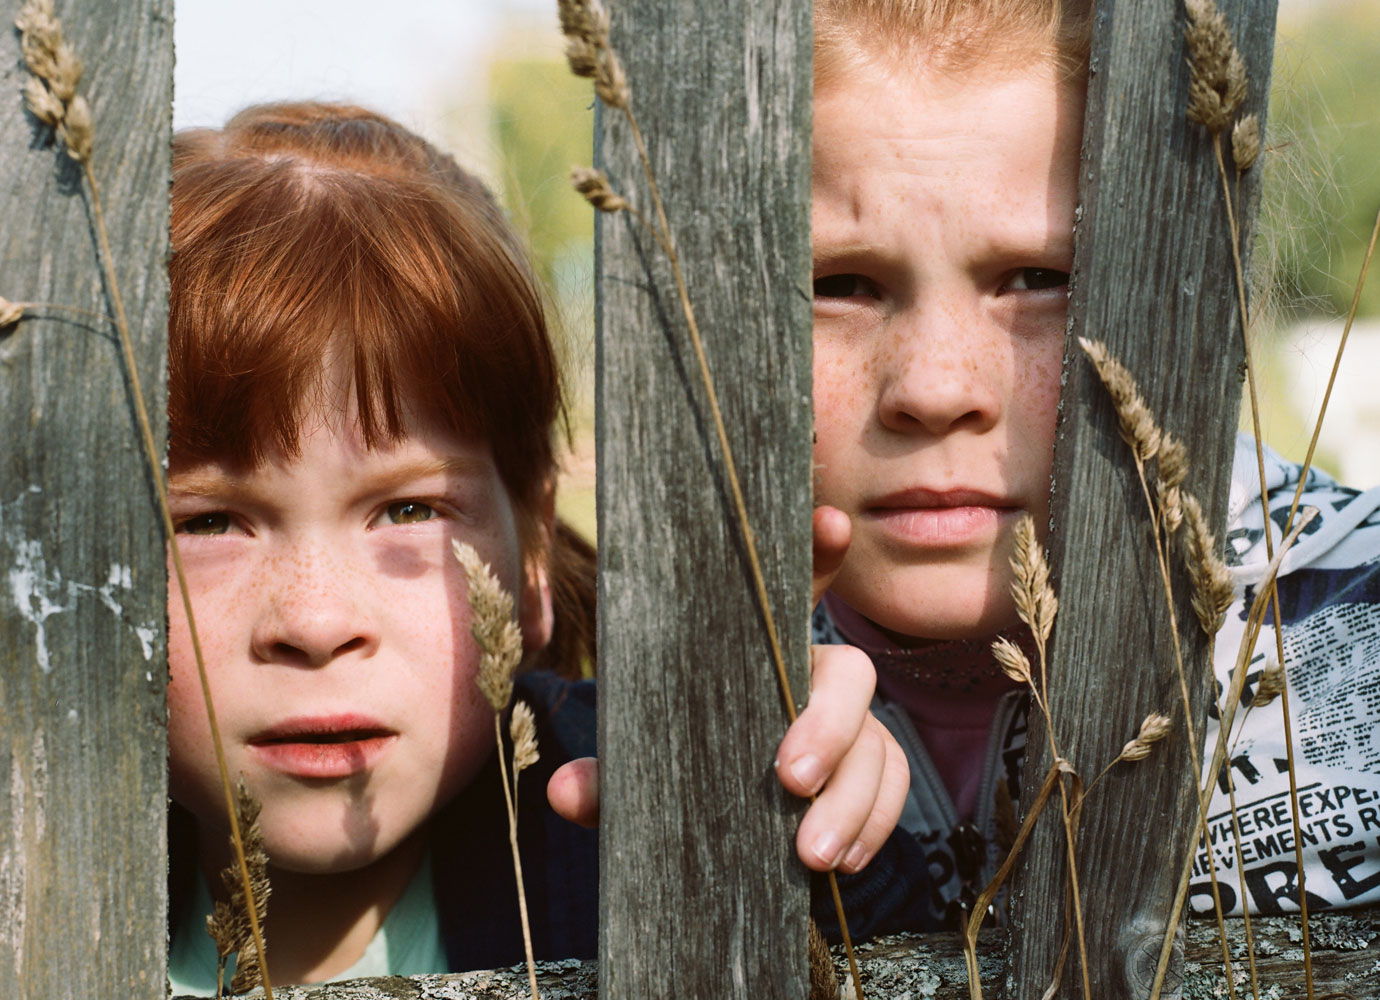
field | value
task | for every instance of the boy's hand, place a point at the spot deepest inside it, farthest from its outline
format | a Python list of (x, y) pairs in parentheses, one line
[(835, 749)]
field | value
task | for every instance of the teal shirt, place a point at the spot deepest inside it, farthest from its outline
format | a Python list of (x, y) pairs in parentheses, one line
[(408, 943)]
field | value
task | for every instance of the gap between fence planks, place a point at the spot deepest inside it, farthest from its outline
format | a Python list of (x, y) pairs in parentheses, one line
[(83, 657)]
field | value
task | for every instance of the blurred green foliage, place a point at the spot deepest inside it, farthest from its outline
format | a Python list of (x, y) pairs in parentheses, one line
[(543, 124), (1322, 187)]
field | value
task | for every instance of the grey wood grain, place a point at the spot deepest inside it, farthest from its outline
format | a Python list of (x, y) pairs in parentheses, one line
[(1346, 948), (82, 620), (1153, 279), (700, 891)]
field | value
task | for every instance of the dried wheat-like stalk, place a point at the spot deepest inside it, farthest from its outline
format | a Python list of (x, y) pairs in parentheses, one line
[(1154, 728), (229, 925), (585, 24), (1138, 427), (595, 187), (54, 72), (1213, 591), (1217, 73), (1037, 606), (10, 312), (1174, 506), (500, 647), (1217, 89)]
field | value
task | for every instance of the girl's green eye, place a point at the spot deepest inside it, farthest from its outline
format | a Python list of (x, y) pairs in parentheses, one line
[(205, 524), (408, 512)]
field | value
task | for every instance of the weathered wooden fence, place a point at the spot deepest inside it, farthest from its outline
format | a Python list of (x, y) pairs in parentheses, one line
[(82, 651), (1153, 279), (698, 883), (701, 896)]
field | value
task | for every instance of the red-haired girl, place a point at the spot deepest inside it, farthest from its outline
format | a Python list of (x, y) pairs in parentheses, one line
[(360, 374)]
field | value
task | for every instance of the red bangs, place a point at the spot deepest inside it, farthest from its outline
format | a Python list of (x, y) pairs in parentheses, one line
[(307, 236)]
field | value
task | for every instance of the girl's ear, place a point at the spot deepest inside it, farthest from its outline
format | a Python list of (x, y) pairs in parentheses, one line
[(535, 615)]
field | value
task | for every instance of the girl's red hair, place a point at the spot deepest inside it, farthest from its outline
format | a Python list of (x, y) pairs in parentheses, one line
[(307, 236)]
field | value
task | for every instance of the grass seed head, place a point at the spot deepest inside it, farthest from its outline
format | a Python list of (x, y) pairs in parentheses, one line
[(1012, 660), (594, 185), (522, 727), (1172, 468), (42, 103), (1035, 601), (1271, 684), (10, 312), (1245, 142), (1217, 74), (1213, 590), (77, 130), (1137, 423), (1154, 728), (585, 24), (493, 628)]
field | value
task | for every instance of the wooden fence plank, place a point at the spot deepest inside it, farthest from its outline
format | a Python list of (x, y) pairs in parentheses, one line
[(700, 891), (82, 650), (1153, 279)]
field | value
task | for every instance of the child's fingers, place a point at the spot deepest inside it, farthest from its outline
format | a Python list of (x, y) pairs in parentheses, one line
[(832, 532), (573, 791), (829, 833), (840, 691), (886, 808)]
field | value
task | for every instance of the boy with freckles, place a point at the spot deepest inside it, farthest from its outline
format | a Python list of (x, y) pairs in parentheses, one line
[(946, 153)]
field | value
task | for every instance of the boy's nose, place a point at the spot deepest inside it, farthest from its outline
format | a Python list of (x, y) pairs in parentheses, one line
[(313, 614), (935, 377)]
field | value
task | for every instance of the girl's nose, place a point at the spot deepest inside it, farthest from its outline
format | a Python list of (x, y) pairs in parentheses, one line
[(314, 611), (938, 373)]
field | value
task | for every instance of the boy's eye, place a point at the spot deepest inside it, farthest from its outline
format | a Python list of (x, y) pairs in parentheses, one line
[(844, 286), (216, 523), (408, 512), (1034, 279)]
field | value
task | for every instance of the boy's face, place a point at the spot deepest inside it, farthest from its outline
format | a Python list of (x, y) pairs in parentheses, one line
[(336, 632), (943, 233)]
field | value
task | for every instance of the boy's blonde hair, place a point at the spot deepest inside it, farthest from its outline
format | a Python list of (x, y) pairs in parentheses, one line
[(951, 35)]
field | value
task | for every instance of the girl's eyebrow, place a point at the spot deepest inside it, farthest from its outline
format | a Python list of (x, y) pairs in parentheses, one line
[(216, 482)]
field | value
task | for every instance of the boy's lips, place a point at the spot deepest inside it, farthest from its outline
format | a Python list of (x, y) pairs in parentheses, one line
[(940, 518), (336, 746)]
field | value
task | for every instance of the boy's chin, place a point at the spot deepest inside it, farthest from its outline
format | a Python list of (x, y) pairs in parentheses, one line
[(946, 615)]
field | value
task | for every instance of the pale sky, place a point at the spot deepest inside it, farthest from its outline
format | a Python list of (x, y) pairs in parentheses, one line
[(411, 59)]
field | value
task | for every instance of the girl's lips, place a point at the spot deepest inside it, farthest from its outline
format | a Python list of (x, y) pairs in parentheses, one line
[(940, 527), (323, 747)]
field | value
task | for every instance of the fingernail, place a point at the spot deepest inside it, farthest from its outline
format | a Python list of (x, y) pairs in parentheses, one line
[(806, 770), (827, 847), (857, 856)]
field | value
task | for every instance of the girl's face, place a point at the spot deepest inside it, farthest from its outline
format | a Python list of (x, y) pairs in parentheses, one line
[(943, 233), (336, 632)]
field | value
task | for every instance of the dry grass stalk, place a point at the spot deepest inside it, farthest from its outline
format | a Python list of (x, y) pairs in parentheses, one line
[(1030, 586), (1138, 427), (1171, 470), (1013, 661), (1217, 74), (1213, 591), (10, 312), (595, 187), (1154, 728), (53, 65), (1245, 142), (229, 925), (500, 649), (585, 24), (499, 638), (1271, 684)]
